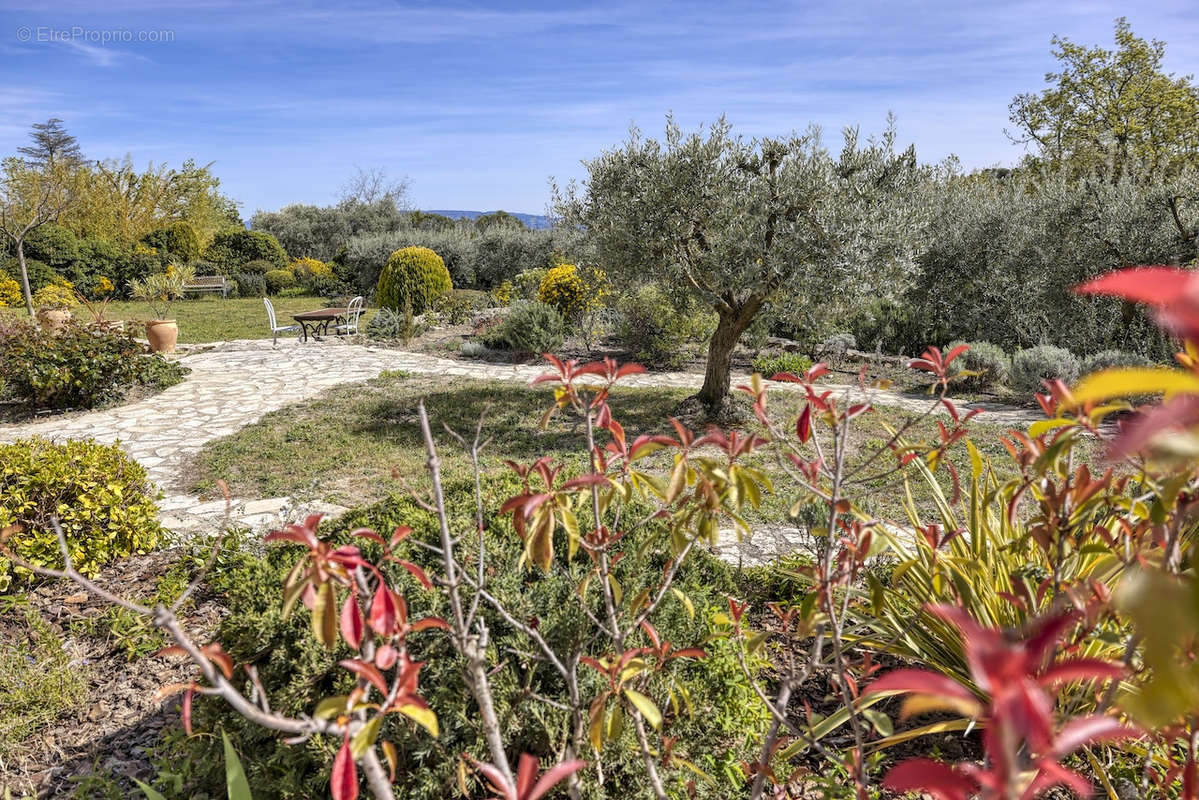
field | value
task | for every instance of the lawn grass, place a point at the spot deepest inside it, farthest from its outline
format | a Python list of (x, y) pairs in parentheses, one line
[(341, 447), (213, 319)]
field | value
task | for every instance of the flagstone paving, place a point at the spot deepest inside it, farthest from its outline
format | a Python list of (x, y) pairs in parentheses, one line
[(233, 384)]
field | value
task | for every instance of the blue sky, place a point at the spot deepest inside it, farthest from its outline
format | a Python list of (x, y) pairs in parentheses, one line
[(479, 103)]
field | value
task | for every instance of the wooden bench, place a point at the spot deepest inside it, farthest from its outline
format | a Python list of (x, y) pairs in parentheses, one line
[(208, 283)]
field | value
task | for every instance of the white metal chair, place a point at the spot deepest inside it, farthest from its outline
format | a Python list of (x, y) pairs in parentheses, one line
[(353, 312), (276, 329)]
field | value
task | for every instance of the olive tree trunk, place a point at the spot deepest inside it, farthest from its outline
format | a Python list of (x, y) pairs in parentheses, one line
[(733, 320)]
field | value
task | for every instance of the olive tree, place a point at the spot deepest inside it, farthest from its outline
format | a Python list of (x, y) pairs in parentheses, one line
[(742, 223)]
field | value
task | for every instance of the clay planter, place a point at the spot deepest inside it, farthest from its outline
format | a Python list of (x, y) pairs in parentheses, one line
[(162, 333), (53, 320)]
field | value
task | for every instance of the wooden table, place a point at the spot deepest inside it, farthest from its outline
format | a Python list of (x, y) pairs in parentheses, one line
[(316, 323)]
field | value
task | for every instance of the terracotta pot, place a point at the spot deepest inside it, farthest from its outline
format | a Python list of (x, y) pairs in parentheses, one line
[(53, 320), (162, 333)]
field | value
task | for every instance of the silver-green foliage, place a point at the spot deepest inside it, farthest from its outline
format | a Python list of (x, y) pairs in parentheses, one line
[(1032, 367), (984, 364), (740, 223)]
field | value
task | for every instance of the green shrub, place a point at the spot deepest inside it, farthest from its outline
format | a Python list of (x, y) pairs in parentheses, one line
[(297, 672), (177, 241), (528, 327), (394, 326), (260, 267), (415, 276), (102, 497), (459, 306), (279, 279), (78, 367), (1032, 367), (658, 330), (1107, 359), (768, 366), (40, 273), (990, 363), (52, 244), (250, 284), (233, 249), (526, 285)]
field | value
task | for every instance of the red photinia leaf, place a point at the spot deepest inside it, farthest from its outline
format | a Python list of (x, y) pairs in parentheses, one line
[(383, 611), (400, 534), (1154, 285), (186, 711), (351, 621), (689, 652), (386, 656), (343, 784), (803, 426), (416, 572), (921, 682), (651, 632), (526, 773), (1088, 730), (1081, 669), (430, 622), (496, 778), (367, 672), (367, 533), (292, 533), (590, 479), (552, 777), (938, 780), (219, 657)]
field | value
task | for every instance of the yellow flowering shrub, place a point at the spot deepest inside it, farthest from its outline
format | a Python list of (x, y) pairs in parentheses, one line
[(54, 296), (103, 287), (503, 293), (311, 267), (571, 290), (10, 292)]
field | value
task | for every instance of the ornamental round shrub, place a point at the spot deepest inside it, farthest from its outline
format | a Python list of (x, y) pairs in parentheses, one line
[(528, 327), (564, 289), (279, 279), (54, 296), (989, 361), (1107, 359), (103, 499), (232, 249), (412, 275), (1032, 367)]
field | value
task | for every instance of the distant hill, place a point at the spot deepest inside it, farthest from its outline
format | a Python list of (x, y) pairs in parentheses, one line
[(529, 220)]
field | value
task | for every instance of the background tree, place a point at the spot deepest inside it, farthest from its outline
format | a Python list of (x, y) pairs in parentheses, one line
[(30, 198), (51, 144), (739, 223), (1108, 110), (370, 186)]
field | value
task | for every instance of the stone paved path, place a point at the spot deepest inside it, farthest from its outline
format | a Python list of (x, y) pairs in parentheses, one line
[(233, 384)]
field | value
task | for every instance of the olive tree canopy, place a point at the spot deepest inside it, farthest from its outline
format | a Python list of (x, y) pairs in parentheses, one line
[(741, 223)]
